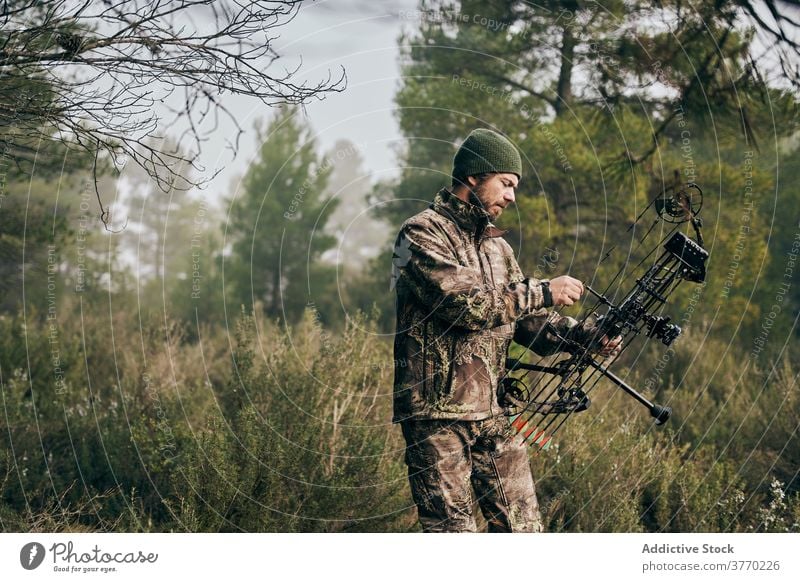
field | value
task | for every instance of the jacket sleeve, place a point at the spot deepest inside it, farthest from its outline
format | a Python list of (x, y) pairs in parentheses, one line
[(457, 293), (534, 333)]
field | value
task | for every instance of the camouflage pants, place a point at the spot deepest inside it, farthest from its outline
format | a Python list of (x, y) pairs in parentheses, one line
[(446, 459)]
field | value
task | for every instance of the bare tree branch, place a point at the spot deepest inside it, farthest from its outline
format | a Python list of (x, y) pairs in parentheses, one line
[(96, 75)]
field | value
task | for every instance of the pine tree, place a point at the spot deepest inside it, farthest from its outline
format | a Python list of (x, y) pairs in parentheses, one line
[(277, 223)]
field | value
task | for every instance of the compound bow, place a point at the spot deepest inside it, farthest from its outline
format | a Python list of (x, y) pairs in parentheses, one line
[(539, 404)]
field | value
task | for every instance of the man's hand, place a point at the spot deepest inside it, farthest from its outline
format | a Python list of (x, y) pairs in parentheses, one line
[(566, 290), (610, 347)]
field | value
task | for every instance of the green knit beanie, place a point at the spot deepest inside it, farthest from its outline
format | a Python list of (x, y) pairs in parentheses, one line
[(486, 151)]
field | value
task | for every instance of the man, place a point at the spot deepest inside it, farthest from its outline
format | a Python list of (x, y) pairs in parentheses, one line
[(461, 299)]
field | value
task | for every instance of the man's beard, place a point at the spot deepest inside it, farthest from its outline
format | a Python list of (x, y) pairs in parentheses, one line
[(476, 197)]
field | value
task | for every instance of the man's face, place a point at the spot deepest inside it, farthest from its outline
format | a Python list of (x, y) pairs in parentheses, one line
[(495, 192)]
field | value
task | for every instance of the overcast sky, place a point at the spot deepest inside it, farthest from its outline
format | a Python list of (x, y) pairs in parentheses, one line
[(360, 36)]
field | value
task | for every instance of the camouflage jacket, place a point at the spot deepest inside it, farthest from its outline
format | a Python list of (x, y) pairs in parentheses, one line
[(461, 299)]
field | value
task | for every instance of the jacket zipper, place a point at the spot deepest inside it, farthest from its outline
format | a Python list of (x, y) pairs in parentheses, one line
[(491, 271), (480, 261), (485, 281), (452, 367), (425, 361)]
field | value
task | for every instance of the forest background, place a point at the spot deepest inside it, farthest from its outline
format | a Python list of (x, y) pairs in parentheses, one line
[(187, 364)]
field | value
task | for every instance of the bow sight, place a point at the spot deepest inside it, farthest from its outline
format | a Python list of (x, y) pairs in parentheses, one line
[(540, 398)]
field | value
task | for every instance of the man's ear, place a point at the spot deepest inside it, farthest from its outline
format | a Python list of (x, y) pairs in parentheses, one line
[(472, 181)]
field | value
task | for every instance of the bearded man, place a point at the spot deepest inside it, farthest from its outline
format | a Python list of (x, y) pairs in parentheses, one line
[(461, 299)]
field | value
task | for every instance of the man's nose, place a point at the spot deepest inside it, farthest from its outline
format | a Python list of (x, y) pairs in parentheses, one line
[(509, 195)]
